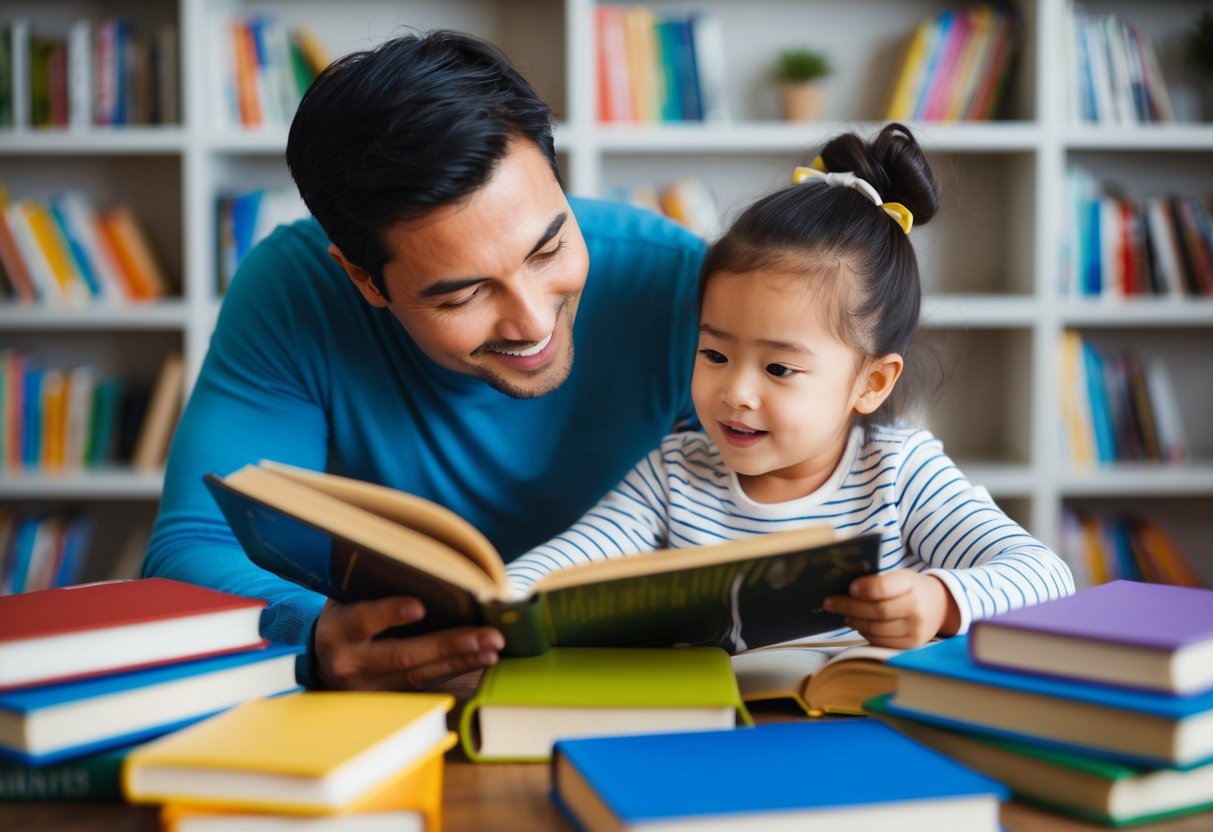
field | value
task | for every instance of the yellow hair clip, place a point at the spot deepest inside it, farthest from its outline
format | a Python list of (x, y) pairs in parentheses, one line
[(845, 179)]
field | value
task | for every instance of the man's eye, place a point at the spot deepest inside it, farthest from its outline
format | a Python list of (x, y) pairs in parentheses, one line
[(780, 371), (713, 356), (543, 256), (464, 301)]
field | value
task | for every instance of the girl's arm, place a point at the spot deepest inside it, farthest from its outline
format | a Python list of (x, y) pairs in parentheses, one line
[(988, 563), (962, 558), (632, 518)]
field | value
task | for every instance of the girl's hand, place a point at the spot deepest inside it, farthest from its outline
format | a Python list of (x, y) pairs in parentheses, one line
[(901, 608)]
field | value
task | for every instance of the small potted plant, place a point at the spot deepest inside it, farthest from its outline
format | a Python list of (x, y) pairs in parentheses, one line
[(799, 72)]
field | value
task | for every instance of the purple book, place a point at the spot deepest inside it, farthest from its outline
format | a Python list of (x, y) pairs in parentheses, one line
[(1150, 636)]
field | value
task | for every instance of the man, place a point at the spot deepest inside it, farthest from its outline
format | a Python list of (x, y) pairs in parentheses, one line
[(420, 333)]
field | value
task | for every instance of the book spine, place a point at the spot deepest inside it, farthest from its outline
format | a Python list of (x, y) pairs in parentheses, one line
[(523, 624), (89, 779)]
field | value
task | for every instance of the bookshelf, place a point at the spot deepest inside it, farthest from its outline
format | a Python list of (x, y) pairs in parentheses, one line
[(992, 260)]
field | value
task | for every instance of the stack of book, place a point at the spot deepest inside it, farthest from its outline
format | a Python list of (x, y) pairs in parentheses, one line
[(356, 762), (957, 66), (89, 671), (1098, 705)]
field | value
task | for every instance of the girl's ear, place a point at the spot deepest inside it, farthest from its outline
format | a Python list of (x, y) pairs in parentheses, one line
[(876, 381), (360, 278)]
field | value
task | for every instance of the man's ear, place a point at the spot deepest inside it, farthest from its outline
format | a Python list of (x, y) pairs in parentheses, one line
[(876, 381), (366, 286)]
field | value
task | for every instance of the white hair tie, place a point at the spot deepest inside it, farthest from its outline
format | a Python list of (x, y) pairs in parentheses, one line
[(847, 179)]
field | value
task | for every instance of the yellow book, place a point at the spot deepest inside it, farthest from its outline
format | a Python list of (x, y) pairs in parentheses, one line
[(408, 801), (305, 753), (819, 678), (1075, 403), (913, 70), (54, 420), (71, 285), (641, 46)]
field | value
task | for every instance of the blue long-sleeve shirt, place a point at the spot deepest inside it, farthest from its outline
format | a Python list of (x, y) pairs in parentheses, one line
[(302, 370)]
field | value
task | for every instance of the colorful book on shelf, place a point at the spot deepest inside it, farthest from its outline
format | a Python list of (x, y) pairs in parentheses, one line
[(94, 778), (1088, 787), (353, 540), (941, 684), (524, 705), (160, 419), (844, 774), (145, 276), (56, 722), (1141, 635), (58, 635), (312, 753), (819, 679), (913, 71)]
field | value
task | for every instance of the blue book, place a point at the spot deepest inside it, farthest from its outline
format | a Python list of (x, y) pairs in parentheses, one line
[(773, 775), (57, 722), (941, 684)]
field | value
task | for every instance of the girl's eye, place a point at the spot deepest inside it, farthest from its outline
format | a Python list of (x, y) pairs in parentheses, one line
[(780, 371), (713, 356)]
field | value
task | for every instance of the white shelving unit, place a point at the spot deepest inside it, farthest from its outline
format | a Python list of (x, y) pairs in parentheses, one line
[(991, 260)]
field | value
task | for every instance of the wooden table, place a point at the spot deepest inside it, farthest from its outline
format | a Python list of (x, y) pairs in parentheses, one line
[(492, 797)]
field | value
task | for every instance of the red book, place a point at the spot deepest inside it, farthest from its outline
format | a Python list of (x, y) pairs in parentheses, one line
[(73, 632)]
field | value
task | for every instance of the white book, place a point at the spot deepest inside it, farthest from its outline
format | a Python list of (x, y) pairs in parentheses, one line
[(19, 51), (80, 387), (84, 225), (80, 75), (707, 38), (41, 273), (1166, 263), (1172, 438)]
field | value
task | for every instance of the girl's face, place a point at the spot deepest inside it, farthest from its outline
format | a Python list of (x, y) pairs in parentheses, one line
[(775, 389)]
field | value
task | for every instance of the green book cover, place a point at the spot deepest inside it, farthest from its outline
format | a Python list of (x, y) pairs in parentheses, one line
[(352, 540), (1102, 790), (522, 705)]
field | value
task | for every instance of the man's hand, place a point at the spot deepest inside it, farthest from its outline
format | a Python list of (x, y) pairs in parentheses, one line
[(348, 657), (899, 609)]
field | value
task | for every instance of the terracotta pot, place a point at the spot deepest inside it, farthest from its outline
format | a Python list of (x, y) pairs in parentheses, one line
[(802, 101)]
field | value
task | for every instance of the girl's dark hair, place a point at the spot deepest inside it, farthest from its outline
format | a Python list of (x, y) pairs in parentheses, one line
[(391, 133), (851, 248)]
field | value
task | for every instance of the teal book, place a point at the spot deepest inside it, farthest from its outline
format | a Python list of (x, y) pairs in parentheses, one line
[(93, 778), (352, 541), (1088, 787), (524, 705), (941, 684), (845, 774)]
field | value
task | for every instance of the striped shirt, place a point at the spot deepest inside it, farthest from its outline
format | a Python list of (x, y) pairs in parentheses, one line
[(895, 481)]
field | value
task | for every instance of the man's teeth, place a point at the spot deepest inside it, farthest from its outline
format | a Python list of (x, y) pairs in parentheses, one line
[(535, 350)]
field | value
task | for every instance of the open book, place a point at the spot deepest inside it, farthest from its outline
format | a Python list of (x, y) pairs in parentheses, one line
[(820, 677), (351, 540)]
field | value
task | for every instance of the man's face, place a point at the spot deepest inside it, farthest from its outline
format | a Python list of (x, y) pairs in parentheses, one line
[(489, 287)]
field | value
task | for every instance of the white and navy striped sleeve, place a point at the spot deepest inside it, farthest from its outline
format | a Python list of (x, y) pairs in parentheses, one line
[(633, 517), (987, 561)]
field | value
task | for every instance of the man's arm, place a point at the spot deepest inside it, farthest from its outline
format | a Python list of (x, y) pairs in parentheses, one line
[(262, 394)]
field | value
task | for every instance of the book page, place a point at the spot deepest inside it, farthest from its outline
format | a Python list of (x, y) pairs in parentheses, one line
[(417, 513), (361, 527)]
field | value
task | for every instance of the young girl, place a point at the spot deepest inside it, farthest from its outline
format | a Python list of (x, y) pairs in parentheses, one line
[(808, 305)]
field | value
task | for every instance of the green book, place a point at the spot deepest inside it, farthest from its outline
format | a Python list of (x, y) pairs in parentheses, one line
[(1108, 792), (354, 540), (523, 705), (92, 779)]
